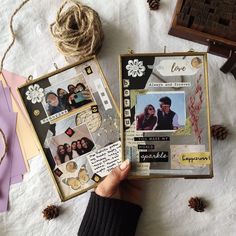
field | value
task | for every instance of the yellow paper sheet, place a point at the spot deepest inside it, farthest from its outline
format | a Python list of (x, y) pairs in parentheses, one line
[(195, 158), (28, 141)]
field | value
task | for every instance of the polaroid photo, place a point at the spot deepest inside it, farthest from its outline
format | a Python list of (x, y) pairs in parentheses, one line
[(73, 143), (68, 96), (160, 111)]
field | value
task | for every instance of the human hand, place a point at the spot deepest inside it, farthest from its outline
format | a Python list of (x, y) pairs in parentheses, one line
[(115, 185)]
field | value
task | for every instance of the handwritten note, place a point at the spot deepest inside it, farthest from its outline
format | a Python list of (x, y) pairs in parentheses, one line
[(105, 159)]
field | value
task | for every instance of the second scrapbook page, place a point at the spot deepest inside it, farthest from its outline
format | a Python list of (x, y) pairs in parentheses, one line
[(165, 114)]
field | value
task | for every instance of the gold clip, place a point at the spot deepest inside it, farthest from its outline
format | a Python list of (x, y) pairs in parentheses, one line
[(30, 77), (130, 51)]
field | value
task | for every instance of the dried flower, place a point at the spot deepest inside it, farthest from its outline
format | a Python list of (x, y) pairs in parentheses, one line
[(194, 107)]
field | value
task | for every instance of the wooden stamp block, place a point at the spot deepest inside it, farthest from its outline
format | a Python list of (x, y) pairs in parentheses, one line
[(206, 21)]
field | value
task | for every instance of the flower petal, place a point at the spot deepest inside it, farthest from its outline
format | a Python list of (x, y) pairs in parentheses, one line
[(134, 74), (130, 62), (135, 61), (140, 63), (142, 68), (130, 73), (36, 87), (139, 73), (128, 67), (34, 100), (31, 88)]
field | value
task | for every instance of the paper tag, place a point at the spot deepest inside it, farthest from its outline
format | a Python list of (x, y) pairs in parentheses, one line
[(195, 158), (174, 67)]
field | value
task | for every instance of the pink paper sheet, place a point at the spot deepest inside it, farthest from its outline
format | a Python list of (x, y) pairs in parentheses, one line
[(18, 164), (14, 81)]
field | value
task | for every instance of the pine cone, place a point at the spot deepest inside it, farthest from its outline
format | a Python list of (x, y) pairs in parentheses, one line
[(51, 212), (219, 132), (154, 4), (197, 204)]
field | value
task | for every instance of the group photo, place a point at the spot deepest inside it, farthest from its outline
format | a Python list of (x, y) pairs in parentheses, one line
[(160, 111), (66, 147), (66, 96)]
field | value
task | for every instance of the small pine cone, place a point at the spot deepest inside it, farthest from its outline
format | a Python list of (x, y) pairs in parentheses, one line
[(51, 212), (219, 132), (154, 4), (197, 204)]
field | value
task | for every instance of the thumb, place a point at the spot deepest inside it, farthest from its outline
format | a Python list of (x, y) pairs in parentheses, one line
[(109, 186)]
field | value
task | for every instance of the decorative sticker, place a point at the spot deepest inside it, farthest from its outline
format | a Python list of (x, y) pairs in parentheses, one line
[(35, 94), (174, 67), (135, 68), (103, 95), (195, 158)]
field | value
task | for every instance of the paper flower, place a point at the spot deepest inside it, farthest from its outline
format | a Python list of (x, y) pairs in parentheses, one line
[(135, 68), (34, 93)]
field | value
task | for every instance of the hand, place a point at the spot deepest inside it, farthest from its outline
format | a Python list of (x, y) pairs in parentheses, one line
[(114, 185)]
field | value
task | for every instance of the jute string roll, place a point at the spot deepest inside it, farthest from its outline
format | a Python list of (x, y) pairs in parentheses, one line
[(77, 30)]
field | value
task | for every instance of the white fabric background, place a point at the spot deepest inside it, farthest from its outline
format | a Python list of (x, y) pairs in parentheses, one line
[(127, 24)]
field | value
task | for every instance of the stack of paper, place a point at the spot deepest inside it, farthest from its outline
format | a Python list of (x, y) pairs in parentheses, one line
[(28, 141), (12, 167), (22, 144)]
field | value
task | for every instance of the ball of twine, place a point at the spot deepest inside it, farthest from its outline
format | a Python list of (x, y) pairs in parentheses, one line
[(77, 31)]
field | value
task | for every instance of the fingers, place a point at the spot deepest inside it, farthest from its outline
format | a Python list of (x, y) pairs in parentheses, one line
[(109, 186)]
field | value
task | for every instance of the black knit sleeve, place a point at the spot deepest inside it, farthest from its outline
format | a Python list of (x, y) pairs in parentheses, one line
[(109, 217)]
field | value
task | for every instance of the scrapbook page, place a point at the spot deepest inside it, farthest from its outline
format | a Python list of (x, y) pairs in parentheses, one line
[(165, 114), (77, 123)]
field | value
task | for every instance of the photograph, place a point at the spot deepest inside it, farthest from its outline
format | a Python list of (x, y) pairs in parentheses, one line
[(65, 97), (160, 111), (73, 143)]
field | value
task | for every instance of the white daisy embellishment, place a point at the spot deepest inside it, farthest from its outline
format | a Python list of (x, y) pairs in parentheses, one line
[(135, 68), (35, 93)]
